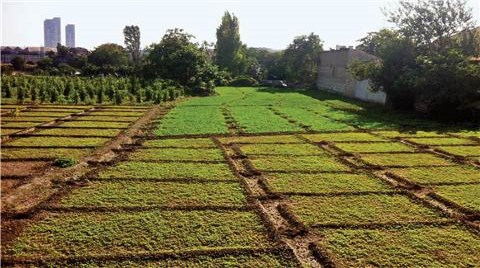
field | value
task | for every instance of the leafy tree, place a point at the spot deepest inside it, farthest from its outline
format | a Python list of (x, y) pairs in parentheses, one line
[(230, 53), (18, 63), (33, 94), (75, 97), (301, 58), (109, 58), (118, 97), (132, 42), (100, 95), (374, 40)]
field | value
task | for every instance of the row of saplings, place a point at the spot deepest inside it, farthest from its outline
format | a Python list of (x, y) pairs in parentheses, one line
[(76, 90)]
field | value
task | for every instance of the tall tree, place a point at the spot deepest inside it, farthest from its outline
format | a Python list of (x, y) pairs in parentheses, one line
[(132, 42), (230, 53)]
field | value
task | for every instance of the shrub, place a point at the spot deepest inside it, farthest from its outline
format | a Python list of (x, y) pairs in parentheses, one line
[(244, 81), (64, 162)]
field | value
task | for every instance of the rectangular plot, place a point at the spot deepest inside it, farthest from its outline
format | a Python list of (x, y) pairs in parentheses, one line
[(314, 121), (282, 149), (405, 159), (28, 119), (117, 113), (57, 142), (106, 118), (121, 193), (8, 131), (39, 153), (192, 120), (257, 119), (303, 163), (346, 136), (461, 150), (468, 134), (324, 183), (381, 147), (180, 143), (78, 132), (467, 195), (20, 124), (159, 171), (178, 154), (361, 209), (433, 175), (44, 114), (441, 141), (262, 139), (93, 234), (90, 124), (426, 246), (412, 133), (56, 110)]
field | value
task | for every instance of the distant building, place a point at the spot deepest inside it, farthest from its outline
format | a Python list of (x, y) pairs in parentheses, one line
[(52, 32), (29, 54), (70, 35), (333, 75)]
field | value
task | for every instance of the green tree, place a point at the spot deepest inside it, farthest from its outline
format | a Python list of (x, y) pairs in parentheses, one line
[(374, 40), (118, 97), (132, 42), (230, 53), (33, 94), (109, 58), (18, 63)]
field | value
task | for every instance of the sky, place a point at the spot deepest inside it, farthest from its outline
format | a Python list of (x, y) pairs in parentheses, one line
[(263, 23)]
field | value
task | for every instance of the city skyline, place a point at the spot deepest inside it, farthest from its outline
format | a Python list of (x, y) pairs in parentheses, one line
[(52, 33), (263, 23), (70, 35)]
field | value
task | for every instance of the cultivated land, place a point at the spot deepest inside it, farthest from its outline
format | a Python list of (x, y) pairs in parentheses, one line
[(251, 177)]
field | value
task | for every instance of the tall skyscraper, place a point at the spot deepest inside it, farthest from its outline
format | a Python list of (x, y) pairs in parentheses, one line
[(52, 32), (70, 35)]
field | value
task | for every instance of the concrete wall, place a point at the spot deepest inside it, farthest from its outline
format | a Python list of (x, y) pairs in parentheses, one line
[(333, 75)]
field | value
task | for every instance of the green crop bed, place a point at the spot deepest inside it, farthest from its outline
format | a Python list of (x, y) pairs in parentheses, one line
[(405, 159), (340, 137), (159, 171), (468, 134), (374, 208), (282, 149), (124, 193), (106, 118), (19, 124), (441, 141), (192, 120), (39, 153), (180, 154), (8, 131), (56, 110), (180, 143), (461, 150), (412, 133), (381, 147), (117, 113), (314, 121), (44, 114), (257, 119), (467, 195), (426, 246), (433, 175), (303, 163), (262, 139), (57, 142), (78, 132), (28, 119), (91, 124), (90, 234), (324, 183)]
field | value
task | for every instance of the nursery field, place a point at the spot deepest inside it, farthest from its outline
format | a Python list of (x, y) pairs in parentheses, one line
[(250, 177)]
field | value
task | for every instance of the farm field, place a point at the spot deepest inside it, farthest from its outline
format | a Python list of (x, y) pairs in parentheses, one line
[(249, 177)]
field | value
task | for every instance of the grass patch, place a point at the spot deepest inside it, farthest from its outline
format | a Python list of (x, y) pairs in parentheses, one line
[(121, 193), (177, 154), (159, 171), (426, 246), (381, 147), (404, 159), (282, 149), (464, 195), (78, 132), (261, 139), (286, 163), (375, 208), (324, 183), (180, 143), (441, 141), (432, 175), (39, 153), (461, 150), (346, 136), (91, 124), (258, 119), (57, 142), (192, 120), (89, 234)]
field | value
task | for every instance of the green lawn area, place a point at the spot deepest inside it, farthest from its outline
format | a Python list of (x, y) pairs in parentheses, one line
[(433, 175), (177, 154), (148, 193), (467, 195), (299, 163), (374, 208), (426, 246)]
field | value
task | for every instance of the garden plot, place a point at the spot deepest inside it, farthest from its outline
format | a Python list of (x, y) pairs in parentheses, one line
[(29, 119), (177, 154), (441, 141), (20, 124), (105, 118), (165, 171), (344, 137), (281, 149), (188, 120), (116, 113), (179, 143), (381, 147), (360, 209), (84, 132), (44, 114), (23, 168), (467, 195), (460, 150), (438, 175), (313, 121), (8, 131), (258, 119), (42, 153), (467, 134), (424, 246), (300, 163), (324, 183), (57, 142), (278, 139), (150, 232), (404, 160), (412, 134), (147, 193), (93, 124)]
